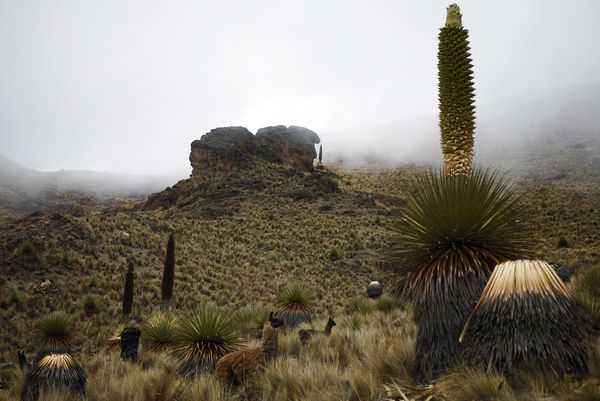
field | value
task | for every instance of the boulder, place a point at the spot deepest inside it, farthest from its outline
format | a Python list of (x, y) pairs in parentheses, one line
[(374, 289), (294, 145), (231, 148), (223, 149)]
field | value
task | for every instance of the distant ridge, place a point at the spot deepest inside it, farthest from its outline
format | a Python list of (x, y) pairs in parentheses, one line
[(25, 190)]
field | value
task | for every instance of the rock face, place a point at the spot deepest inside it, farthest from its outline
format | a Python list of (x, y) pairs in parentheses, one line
[(230, 148)]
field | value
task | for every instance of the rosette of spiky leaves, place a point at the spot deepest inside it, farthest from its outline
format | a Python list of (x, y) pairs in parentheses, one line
[(296, 305), (587, 291), (54, 371), (159, 332), (456, 94), (250, 319), (202, 338), (453, 226), (452, 233), (55, 331), (115, 338), (588, 282)]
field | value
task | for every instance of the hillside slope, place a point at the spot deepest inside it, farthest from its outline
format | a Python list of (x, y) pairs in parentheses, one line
[(240, 240)]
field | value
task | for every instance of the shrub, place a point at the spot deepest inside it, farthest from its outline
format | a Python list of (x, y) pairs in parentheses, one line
[(25, 248), (92, 283), (55, 331), (334, 254), (14, 298), (91, 304), (355, 322), (296, 305), (588, 283), (251, 316), (587, 292), (202, 338), (470, 385), (386, 304), (360, 305), (562, 242), (159, 332)]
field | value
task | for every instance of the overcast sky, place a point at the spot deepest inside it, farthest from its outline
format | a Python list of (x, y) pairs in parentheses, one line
[(126, 85)]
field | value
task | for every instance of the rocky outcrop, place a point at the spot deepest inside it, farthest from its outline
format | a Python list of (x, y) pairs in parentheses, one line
[(224, 149), (231, 148)]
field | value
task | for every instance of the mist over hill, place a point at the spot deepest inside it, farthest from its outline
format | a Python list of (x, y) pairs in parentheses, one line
[(25, 189), (546, 134)]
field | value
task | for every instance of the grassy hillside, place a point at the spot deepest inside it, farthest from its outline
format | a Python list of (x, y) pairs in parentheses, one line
[(239, 240)]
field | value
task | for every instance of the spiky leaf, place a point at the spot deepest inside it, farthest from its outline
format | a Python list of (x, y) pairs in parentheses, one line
[(202, 338), (55, 331), (453, 226), (159, 332), (296, 305)]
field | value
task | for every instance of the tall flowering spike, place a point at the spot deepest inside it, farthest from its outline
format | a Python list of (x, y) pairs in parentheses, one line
[(128, 291), (456, 94), (169, 271)]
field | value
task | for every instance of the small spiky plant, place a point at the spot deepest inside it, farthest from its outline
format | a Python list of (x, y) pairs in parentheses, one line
[(169, 271), (528, 319), (55, 332), (54, 370), (159, 332), (251, 319), (296, 305), (587, 292), (128, 291), (452, 233), (456, 94), (202, 338)]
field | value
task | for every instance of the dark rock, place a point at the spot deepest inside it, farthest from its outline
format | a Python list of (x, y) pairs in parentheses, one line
[(294, 145), (231, 148), (224, 149), (562, 271), (374, 290)]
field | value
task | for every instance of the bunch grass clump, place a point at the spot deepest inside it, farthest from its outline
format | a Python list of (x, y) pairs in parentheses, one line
[(472, 384), (250, 319), (159, 332), (385, 304), (587, 292), (360, 305), (202, 338), (55, 331), (296, 305)]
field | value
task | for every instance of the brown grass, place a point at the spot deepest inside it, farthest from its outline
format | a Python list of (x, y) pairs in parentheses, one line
[(267, 241)]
